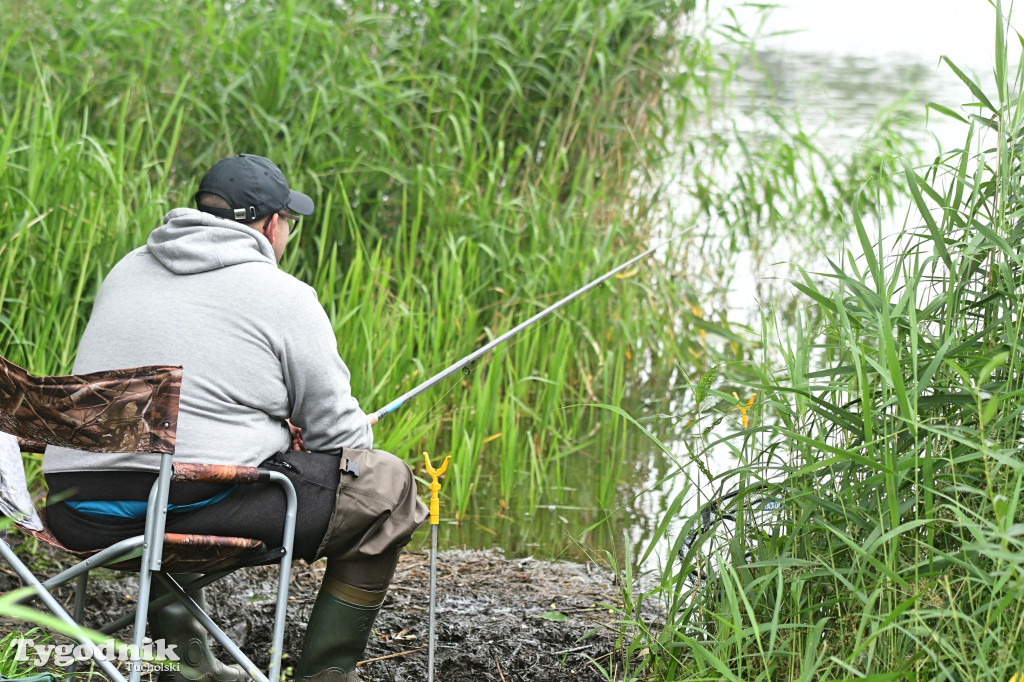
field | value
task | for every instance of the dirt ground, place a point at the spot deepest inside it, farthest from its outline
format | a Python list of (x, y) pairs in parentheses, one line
[(497, 619)]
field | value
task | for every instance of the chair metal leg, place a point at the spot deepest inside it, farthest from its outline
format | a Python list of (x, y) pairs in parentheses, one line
[(284, 577), (141, 612), (79, 615), (152, 558), (83, 584), (54, 606)]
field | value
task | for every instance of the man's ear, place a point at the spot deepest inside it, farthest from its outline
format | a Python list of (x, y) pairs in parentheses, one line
[(271, 232)]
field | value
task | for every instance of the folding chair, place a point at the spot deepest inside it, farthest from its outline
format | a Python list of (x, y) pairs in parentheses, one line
[(134, 410)]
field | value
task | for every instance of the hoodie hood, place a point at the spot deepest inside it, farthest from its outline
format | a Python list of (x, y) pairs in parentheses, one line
[(192, 241)]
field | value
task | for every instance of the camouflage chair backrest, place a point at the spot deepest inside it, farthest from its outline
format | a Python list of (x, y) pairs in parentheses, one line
[(121, 410)]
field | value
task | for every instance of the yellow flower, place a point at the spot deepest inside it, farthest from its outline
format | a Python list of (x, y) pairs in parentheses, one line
[(744, 408)]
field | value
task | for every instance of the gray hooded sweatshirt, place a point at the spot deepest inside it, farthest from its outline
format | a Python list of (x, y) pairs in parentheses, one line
[(255, 345)]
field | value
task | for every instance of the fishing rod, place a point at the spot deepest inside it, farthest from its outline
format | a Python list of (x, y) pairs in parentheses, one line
[(409, 395)]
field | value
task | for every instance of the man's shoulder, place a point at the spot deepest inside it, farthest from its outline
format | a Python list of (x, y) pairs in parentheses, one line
[(137, 252), (130, 263), (288, 284), (284, 292)]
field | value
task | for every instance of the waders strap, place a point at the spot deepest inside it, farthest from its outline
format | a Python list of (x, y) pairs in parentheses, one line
[(352, 594)]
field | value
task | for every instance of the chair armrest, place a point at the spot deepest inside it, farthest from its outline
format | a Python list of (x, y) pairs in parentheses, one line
[(207, 473), (216, 473), (29, 445)]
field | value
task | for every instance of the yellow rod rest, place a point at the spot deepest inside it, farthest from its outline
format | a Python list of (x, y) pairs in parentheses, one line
[(435, 488)]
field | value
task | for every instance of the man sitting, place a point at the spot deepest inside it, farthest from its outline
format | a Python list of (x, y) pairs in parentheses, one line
[(263, 386)]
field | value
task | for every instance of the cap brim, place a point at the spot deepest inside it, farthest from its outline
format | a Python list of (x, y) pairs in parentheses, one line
[(299, 203)]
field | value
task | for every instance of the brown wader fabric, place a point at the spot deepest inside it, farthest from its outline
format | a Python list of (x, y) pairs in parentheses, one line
[(375, 515)]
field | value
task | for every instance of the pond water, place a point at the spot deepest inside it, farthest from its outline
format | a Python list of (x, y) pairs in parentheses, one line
[(838, 63), (834, 65)]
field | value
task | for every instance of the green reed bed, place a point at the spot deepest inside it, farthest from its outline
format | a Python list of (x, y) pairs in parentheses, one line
[(471, 164), (878, 523)]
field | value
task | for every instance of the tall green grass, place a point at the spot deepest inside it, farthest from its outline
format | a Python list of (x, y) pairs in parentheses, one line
[(889, 430), (470, 164)]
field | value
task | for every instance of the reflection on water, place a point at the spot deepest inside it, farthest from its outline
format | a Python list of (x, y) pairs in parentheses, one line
[(839, 63), (838, 97)]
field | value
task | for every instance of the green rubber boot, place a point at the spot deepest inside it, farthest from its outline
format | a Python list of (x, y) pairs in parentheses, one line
[(339, 628), (175, 625)]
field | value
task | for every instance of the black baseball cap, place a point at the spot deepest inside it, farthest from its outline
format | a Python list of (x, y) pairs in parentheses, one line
[(253, 187)]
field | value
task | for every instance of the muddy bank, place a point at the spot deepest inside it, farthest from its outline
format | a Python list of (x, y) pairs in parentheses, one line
[(497, 619)]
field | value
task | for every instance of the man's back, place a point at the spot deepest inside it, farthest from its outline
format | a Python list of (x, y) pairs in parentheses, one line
[(254, 342)]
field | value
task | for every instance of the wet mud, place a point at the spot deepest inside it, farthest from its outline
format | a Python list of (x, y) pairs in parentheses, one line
[(496, 618)]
